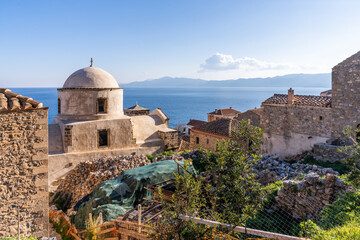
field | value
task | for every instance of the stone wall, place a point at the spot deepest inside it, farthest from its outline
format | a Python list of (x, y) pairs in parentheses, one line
[(250, 115), (328, 153), (305, 199), (282, 120), (170, 139), (205, 140), (23, 172), (346, 94), (290, 130)]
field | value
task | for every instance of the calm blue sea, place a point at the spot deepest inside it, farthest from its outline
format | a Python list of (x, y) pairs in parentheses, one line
[(179, 104)]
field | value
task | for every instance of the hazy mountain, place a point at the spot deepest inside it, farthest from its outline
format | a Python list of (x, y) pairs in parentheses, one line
[(321, 80)]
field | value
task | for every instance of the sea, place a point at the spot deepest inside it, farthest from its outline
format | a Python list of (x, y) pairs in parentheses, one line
[(180, 104)]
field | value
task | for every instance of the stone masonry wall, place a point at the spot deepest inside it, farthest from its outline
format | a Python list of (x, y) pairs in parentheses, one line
[(306, 198), (23, 172), (346, 94), (170, 139), (328, 153), (282, 120), (207, 141)]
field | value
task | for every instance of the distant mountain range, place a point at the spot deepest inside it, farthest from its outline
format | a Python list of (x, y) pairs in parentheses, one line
[(320, 80)]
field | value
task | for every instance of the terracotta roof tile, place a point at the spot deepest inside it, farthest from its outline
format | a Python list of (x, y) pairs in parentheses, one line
[(195, 123), (10, 101), (225, 111), (300, 100), (222, 127)]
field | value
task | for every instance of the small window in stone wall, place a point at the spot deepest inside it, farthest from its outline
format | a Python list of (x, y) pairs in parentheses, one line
[(59, 105), (207, 141), (321, 118), (197, 140), (103, 136), (101, 105)]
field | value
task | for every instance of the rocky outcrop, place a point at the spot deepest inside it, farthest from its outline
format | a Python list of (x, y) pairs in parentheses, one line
[(306, 198)]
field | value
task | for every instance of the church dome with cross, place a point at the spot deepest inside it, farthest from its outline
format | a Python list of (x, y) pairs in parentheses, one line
[(91, 77), (90, 93)]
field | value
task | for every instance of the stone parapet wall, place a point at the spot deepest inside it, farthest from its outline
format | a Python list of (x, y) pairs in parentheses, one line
[(24, 173), (328, 153)]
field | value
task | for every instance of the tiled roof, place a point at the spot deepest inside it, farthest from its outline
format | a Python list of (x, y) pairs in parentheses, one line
[(195, 123), (222, 127), (300, 100), (10, 101), (225, 111), (137, 107)]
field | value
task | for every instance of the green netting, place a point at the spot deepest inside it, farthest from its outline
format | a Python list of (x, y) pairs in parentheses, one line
[(124, 192)]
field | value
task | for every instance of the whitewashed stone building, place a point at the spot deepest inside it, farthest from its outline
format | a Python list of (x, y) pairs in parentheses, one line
[(91, 123)]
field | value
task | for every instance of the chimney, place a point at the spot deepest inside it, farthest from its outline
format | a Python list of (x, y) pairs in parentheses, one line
[(230, 108), (291, 97)]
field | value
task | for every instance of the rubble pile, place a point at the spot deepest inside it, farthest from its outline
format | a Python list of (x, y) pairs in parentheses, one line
[(272, 168), (85, 176)]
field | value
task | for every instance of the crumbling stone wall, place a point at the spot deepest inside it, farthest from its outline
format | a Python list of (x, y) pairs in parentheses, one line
[(305, 199), (23, 172), (170, 139), (328, 153)]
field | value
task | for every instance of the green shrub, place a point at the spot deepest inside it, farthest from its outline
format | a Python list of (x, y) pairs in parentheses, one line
[(345, 208), (339, 220)]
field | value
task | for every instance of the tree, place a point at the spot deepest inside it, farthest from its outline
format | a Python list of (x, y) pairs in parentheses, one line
[(226, 192), (353, 155)]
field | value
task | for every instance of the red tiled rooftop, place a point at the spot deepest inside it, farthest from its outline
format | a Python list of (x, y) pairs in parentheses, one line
[(225, 111), (195, 123), (300, 100), (223, 127)]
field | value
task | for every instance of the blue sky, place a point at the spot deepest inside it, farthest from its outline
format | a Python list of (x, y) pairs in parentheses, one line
[(43, 42)]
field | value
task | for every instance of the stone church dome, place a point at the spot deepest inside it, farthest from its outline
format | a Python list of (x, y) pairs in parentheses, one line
[(91, 77)]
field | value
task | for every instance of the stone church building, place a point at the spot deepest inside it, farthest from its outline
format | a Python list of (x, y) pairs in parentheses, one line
[(295, 123), (91, 123)]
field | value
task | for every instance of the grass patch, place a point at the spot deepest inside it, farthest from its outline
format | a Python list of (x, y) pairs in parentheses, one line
[(342, 168)]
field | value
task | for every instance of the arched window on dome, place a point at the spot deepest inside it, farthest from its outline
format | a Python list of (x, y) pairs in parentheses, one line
[(101, 105)]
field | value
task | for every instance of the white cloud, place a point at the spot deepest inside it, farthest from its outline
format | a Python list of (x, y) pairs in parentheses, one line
[(222, 62)]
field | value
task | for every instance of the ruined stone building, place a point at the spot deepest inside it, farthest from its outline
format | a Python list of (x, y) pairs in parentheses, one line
[(295, 123), (23, 166), (91, 123), (222, 113)]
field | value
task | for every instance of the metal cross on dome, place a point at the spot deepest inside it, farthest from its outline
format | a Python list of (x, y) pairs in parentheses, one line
[(91, 62)]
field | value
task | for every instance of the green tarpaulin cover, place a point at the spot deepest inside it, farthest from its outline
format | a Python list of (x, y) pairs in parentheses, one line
[(124, 192)]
